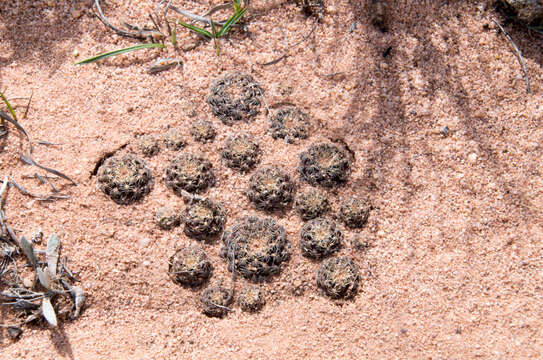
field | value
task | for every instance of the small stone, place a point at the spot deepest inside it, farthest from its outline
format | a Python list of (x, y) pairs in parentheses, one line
[(472, 158), (144, 242), (189, 46), (285, 89), (298, 287), (75, 53), (14, 332), (28, 282), (76, 14)]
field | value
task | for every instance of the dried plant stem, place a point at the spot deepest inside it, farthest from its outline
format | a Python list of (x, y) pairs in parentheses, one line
[(519, 55), (137, 33), (286, 52)]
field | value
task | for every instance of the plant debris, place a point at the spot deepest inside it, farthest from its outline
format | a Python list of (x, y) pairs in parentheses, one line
[(134, 32), (28, 159), (164, 64), (53, 297)]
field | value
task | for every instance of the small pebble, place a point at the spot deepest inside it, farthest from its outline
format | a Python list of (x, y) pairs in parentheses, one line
[(472, 158), (14, 332), (75, 53), (189, 46), (144, 242), (76, 14), (28, 282)]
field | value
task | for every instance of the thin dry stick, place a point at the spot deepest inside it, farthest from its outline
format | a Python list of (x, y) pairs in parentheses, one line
[(140, 34), (232, 280), (40, 197), (194, 16), (28, 159), (519, 55), (286, 53)]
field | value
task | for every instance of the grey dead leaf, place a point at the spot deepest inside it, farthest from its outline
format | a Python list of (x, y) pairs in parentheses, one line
[(79, 299), (14, 331), (45, 278), (51, 254), (48, 311), (25, 304), (163, 64), (2, 190), (28, 249)]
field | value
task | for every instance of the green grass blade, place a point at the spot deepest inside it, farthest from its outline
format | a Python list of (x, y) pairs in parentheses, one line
[(231, 22), (119, 51), (10, 108), (28, 105), (174, 34), (538, 29), (195, 29), (214, 29), (237, 5)]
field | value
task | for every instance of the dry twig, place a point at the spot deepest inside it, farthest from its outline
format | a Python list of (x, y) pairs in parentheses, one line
[(519, 55), (286, 53), (136, 33)]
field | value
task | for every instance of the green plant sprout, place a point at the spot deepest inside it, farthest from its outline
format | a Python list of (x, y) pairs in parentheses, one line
[(119, 51), (215, 33)]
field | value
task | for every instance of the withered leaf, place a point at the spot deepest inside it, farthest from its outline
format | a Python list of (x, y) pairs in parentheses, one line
[(28, 249), (51, 254), (48, 311)]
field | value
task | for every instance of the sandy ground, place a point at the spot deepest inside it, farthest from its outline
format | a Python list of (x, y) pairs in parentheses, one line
[(454, 269)]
